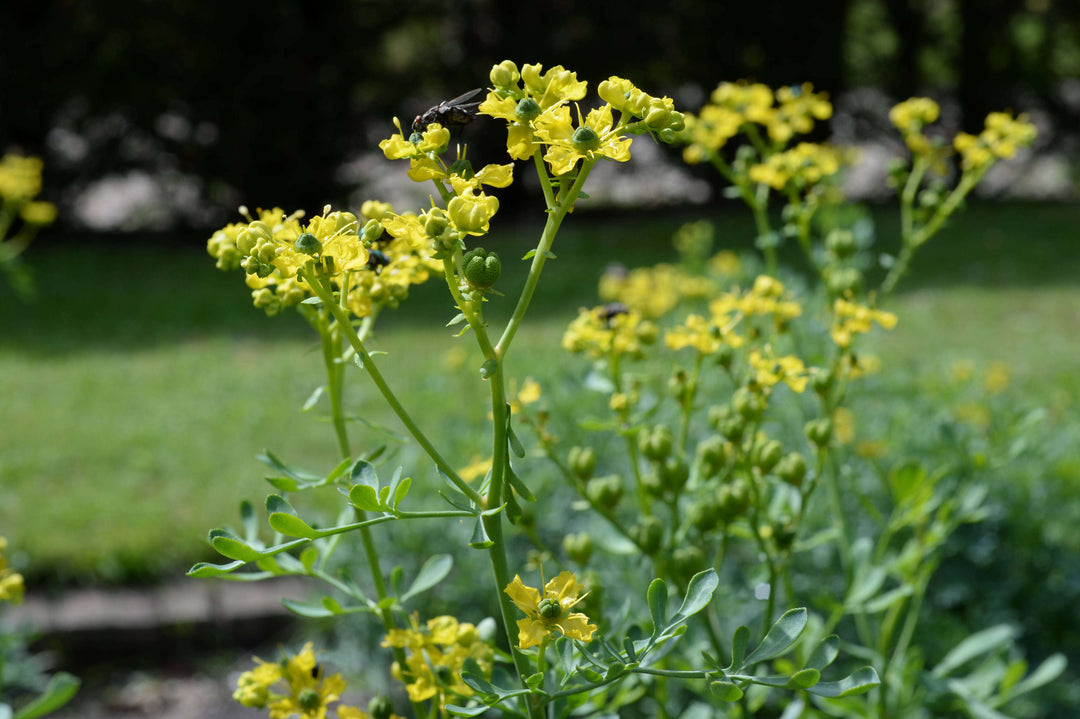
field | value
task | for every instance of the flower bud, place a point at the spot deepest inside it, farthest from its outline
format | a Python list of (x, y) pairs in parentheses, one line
[(436, 223), (768, 455), (819, 431), (380, 707), (527, 110), (648, 534), (704, 515), (732, 500), (821, 380), (841, 280), (578, 547), (673, 474), (582, 462), (656, 444), (841, 243), (481, 268), (604, 491), (733, 427), (505, 74), (688, 560), (371, 231), (307, 244), (748, 404), (713, 450), (792, 469)]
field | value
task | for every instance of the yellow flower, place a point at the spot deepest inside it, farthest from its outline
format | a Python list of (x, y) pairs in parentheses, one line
[(476, 468), (602, 331), (704, 336), (771, 370), (253, 686), (38, 213), (432, 141), (844, 425), (310, 693), (551, 611), (20, 178), (593, 138), (12, 587), (804, 164), (997, 378), (436, 655), (472, 213), (850, 319)]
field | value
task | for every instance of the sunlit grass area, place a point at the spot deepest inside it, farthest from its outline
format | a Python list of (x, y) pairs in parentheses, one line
[(136, 392)]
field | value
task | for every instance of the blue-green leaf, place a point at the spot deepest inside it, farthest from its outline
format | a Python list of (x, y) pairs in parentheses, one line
[(231, 547), (364, 497), (698, 595), (401, 491), (781, 637), (977, 644), (204, 570), (363, 472), (291, 526), (1048, 671), (725, 691), (658, 596), (824, 653), (466, 711), (269, 459), (862, 680), (739, 642), (58, 692), (434, 571), (307, 610), (804, 678)]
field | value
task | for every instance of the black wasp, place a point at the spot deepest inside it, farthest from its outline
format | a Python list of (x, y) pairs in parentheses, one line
[(450, 113)]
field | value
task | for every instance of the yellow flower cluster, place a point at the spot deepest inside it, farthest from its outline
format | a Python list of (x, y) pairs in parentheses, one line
[(707, 336), (766, 297), (436, 655), (784, 113), (804, 164), (910, 116), (1000, 139), (11, 582), (850, 319), (770, 370), (535, 103), (372, 269), (550, 611), (651, 290), (307, 692), (607, 330), (20, 183)]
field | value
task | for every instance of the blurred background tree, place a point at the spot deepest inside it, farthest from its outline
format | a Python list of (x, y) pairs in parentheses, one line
[(213, 105)]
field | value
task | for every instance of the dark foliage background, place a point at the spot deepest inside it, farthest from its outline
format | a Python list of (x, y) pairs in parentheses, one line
[(262, 102)]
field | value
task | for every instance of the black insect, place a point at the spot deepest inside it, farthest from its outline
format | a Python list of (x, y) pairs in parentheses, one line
[(377, 260), (451, 113), (611, 309)]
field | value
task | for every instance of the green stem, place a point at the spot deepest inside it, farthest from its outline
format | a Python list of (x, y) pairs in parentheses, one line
[(326, 295), (556, 214)]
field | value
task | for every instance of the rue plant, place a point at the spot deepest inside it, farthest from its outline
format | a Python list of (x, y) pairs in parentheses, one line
[(728, 559)]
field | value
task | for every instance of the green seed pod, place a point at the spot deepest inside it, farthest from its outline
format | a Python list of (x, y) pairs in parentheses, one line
[(436, 223), (822, 381), (732, 500), (585, 139), (768, 455), (724, 356), (656, 443), (380, 707), (784, 534), (482, 268), (819, 431), (582, 462), (578, 547), (733, 427), (792, 469), (527, 110), (309, 700), (714, 450), (307, 244), (462, 168), (688, 560), (648, 534), (673, 474), (718, 414), (704, 515), (842, 280), (605, 491), (747, 403), (841, 243)]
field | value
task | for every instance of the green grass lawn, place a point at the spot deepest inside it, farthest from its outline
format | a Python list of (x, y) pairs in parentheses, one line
[(136, 391)]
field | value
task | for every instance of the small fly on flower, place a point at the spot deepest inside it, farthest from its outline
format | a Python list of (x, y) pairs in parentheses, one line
[(449, 113), (613, 309)]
